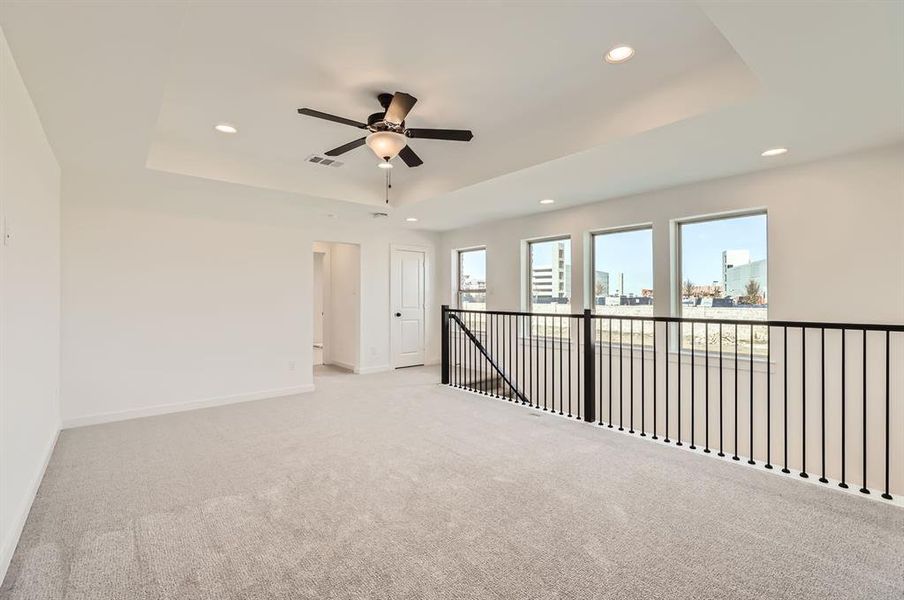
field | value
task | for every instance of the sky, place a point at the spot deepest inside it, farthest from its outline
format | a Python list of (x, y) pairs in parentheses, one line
[(631, 252), (703, 243), (474, 264), (628, 252)]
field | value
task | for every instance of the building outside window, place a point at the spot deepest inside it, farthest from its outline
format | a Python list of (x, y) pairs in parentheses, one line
[(723, 270), (549, 270), (623, 283)]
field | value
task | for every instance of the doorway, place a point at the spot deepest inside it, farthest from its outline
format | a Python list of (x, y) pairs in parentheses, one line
[(335, 305), (318, 304), (407, 291)]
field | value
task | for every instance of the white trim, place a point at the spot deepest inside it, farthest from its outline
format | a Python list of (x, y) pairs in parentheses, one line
[(175, 407), (370, 370), (12, 540), (342, 365)]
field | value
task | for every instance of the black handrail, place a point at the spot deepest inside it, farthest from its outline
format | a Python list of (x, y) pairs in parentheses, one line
[(756, 323)]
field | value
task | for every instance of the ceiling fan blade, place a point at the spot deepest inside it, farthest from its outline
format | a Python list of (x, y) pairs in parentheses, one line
[(346, 147), (399, 108), (410, 158), (455, 135), (310, 112)]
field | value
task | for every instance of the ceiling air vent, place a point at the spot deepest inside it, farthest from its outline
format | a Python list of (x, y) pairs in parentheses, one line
[(323, 161)]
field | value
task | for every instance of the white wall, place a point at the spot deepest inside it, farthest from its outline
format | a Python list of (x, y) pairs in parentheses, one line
[(29, 303), (831, 223), (179, 292), (318, 291), (345, 305)]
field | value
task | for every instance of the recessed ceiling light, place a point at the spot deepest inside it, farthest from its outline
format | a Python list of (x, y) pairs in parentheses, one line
[(619, 54), (225, 128), (411, 219), (547, 201), (774, 152), (385, 165)]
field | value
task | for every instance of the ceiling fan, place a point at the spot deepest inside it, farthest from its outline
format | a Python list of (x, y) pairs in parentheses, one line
[(388, 135)]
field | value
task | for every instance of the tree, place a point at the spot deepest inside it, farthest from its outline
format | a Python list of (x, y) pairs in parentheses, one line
[(688, 288), (752, 293), (599, 289)]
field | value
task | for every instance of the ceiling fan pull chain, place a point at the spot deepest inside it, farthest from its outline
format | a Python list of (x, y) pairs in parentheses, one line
[(388, 184)]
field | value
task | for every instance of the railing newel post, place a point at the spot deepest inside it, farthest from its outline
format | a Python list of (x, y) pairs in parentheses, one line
[(445, 343), (589, 405)]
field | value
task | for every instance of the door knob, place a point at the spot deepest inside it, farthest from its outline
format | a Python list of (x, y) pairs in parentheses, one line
[(398, 314)]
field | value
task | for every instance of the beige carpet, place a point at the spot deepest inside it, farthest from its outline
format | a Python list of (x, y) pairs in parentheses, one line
[(389, 486)]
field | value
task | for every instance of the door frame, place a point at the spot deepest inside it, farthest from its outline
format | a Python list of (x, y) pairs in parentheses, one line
[(425, 250)]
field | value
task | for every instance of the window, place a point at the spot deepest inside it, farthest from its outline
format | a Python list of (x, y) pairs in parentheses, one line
[(723, 276), (623, 281), (472, 279), (550, 283)]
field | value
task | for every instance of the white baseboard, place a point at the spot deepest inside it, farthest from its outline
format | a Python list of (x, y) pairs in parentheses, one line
[(163, 409), (11, 540), (369, 370), (343, 365)]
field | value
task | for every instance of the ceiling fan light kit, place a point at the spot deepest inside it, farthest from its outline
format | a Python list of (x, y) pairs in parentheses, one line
[(386, 144), (388, 134)]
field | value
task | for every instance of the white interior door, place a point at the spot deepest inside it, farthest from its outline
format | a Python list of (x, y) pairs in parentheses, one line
[(407, 302)]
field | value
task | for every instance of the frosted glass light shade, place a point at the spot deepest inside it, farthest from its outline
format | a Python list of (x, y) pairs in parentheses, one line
[(386, 144)]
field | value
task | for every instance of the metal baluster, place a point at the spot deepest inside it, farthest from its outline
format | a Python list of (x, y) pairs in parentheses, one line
[(582, 389), (484, 383), (785, 469), (864, 489), (735, 456), (631, 371), (680, 346), (693, 361), (621, 374), (472, 350), (466, 349), (545, 361), (822, 389), (750, 460), (610, 372), (528, 363), (768, 397), (667, 325), (599, 380), (721, 395), (643, 403), (561, 379), (706, 384), (887, 494), (655, 382), (459, 366), (496, 355), (803, 401), (843, 483), (570, 343)]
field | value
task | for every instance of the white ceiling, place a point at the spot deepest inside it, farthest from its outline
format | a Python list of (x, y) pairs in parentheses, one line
[(140, 85)]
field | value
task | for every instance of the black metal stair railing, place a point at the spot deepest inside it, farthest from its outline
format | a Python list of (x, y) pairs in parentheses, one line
[(786, 395)]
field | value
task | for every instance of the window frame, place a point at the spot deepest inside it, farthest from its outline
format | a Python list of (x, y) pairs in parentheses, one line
[(530, 269), (622, 229), (678, 271), (458, 273)]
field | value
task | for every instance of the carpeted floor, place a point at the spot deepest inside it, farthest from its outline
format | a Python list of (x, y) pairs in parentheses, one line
[(389, 486)]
